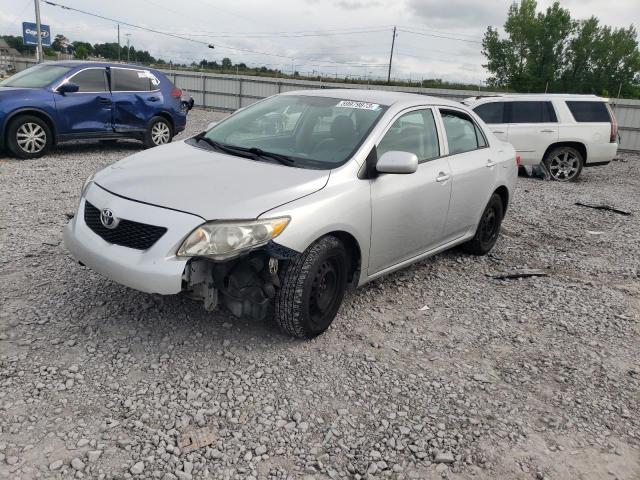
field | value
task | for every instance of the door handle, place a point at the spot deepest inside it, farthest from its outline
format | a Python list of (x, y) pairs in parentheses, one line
[(547, 131), (104, 100), (498, 131), (153, 99), (442, 177), (490, 163)]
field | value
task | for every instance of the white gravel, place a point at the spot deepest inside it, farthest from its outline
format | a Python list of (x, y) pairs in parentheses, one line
[(437, 370)]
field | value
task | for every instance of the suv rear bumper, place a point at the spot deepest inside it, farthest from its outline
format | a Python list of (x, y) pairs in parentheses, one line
[(600, 153)]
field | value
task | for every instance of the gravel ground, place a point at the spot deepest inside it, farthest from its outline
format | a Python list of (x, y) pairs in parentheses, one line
[(435, 371)]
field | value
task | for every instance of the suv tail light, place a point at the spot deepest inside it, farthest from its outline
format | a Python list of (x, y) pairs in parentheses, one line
[(614, 125), (517, 159), (176, 92)]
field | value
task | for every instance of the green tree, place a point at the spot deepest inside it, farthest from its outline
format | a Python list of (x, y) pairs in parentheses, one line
[(60, 43), (81, 52)]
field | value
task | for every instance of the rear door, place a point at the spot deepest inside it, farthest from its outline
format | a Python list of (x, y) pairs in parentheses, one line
[(473, 171), (136, 98), (533, 126), (494, 115), (87, 111)]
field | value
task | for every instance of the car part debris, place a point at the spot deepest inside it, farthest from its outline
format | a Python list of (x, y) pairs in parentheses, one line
[(604, 206), (195, 439), (520, 274)]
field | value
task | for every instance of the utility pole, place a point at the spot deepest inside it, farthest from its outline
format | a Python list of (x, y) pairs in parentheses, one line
[(39, 53), (118, 42), (128, 45), (393, 42)]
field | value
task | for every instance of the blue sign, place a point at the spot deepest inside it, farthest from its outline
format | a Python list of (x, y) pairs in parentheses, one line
[(30, 34)]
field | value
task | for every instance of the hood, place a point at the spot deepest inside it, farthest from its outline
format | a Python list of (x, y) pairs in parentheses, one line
[(19, 91), (209, 184)]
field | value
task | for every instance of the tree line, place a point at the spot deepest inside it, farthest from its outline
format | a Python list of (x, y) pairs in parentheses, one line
[(549, 51)]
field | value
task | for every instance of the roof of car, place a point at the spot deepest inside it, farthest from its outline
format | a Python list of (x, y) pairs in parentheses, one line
[(534, 96), (91, 63), (382, 97)]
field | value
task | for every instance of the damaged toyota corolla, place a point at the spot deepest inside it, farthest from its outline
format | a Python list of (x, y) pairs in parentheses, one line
[(281, 207)]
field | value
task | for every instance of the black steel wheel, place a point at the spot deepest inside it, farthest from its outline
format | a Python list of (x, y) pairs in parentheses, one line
[(312, 290), (488, 228)]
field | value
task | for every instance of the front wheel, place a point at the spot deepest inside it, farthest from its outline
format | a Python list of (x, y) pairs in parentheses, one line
[(488, 229), (313, 287), (564, 164), (159, 132), (29, 136)]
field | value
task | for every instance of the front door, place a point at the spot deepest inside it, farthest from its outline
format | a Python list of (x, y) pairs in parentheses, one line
[(87, 111), (136, 98), (408, 212)]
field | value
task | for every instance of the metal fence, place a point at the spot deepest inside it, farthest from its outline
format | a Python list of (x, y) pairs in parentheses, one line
[(230, 92)]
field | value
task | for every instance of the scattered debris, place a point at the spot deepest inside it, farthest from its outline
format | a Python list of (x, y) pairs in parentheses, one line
[(604, 206), (520, 274), (195, 439), (69, 215)]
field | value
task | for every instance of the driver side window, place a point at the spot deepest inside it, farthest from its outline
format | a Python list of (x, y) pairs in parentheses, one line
[(414, 132)]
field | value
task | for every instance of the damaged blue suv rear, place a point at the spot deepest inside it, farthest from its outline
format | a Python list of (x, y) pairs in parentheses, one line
[(55, 102)]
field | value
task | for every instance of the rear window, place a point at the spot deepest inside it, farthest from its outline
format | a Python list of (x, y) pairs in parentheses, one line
[(124, 80), (532, 112), (594, 112), (491, 112)]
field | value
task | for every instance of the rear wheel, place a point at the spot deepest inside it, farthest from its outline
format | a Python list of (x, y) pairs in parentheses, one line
[(488, 229), (564, 164), (159, 132), (313, 287), (28, 136)]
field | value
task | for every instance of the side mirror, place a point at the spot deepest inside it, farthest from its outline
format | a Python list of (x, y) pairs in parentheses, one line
[(211, 125), (397, 162), (68, 88)]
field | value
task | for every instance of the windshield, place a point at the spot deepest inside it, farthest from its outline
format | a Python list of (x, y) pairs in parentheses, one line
[(317, 132), (37, 76)]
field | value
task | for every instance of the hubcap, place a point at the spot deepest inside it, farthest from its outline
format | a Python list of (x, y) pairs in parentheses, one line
[(324, 291), (489, 226), (564, 166), (160, 133), (31, 137)]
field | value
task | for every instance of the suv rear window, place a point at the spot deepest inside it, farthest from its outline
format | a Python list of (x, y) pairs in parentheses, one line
[(125, 80), (594, 112), (492, 112), (532, 112)]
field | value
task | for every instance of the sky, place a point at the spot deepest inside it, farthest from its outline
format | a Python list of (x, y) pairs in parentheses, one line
[(435, 38)]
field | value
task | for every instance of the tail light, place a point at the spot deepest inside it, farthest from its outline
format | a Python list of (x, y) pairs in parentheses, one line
[(518, 160), (614, 125), (176, 92)]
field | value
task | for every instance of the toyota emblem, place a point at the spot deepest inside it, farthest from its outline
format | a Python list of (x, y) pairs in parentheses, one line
[(108, 219)]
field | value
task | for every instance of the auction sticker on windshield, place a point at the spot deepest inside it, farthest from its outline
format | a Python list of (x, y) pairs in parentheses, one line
[(362, 105)]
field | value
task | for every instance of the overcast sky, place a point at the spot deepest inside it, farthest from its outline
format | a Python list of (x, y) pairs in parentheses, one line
[(235, 24)]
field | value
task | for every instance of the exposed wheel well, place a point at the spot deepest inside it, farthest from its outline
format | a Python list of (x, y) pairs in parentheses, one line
[(355, 255), (36, 113), (580, 147), (504, 196)]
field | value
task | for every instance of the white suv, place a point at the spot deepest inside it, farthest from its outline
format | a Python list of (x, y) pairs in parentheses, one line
[(565, 132)]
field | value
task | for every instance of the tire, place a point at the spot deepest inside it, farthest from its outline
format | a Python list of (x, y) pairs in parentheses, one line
[(564, 164), (488, 229), (312, 290), (29, 136), (159, 132)]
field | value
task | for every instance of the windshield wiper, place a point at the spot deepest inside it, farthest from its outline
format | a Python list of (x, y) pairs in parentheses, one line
[(283, 159), (222, 147), (253, 153)]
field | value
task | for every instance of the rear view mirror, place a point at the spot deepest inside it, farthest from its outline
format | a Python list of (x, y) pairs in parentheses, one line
[(68, 88), (397, 162), (211, 125)]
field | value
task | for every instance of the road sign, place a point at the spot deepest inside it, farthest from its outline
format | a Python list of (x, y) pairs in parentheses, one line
[(30, 34)]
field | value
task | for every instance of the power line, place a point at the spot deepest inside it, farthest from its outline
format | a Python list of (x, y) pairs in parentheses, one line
[(424, 34), (284, 34)]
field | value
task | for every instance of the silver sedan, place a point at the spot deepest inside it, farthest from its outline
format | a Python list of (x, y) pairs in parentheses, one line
[(282, 206)]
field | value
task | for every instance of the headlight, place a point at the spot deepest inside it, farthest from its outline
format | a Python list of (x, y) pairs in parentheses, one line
[(222, 240)]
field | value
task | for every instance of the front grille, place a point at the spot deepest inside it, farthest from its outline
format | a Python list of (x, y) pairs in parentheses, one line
[(127, 234)]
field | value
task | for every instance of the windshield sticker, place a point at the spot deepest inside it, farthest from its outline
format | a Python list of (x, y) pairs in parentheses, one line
[(361, 105), (150, 76)]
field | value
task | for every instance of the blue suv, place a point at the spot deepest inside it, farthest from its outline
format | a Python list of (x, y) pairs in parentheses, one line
[(54, 102)]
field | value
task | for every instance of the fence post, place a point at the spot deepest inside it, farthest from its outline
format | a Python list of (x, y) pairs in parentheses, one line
[(239, 93), (204, 90)]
